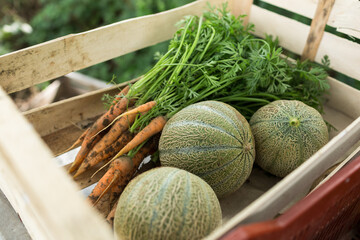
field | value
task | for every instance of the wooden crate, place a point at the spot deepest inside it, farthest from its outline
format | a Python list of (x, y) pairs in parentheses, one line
[(48, 200)]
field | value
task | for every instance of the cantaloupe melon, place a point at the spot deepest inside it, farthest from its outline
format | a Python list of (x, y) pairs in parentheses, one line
[(212, 140), (166, 203), (287, 132)]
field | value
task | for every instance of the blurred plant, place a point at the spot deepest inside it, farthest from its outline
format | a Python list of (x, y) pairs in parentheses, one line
[(15, 15), (11, 35), (59, 18)]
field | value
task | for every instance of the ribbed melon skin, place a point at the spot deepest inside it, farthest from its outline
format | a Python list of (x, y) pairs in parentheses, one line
[(166, 203), (281, 147), (212, 140)]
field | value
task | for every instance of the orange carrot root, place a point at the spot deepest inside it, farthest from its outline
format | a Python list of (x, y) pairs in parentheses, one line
[(142, 108), (89, 140), (146, 150), (84, 150), (155, 126), (120, 172), (120, 126), (110, 217), (120, 95), (113, 181), (94, 157), (110, 115), (120, 167)]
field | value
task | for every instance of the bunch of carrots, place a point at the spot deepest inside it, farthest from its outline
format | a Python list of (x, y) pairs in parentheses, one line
[(210, 57), (109, 137)]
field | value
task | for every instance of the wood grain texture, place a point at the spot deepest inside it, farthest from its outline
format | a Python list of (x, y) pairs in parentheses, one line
[(344, 55), (52, 59), (343, 98), (70, 112), (242, 7), (317, 29), (61, 123), (45, 197), (345, 15), (60, 140)]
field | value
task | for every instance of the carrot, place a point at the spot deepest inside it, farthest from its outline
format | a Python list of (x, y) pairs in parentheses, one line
[(154, 127), (100, 124), (118, 97), (110, 217), (120, 172), (110, 115), (140, 109), (120, 126), (85, 148), (118, 169), (148, 149), (95, 157)]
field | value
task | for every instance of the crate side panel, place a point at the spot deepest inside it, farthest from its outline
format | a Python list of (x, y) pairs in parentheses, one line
[(345, 15), (344, 98), (344, 55), (69, 112), (42, 193), (52, 59)]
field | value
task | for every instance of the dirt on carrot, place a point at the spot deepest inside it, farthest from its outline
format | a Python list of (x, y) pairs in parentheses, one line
[(84, 150), (110, 151), (120, 172), (114, 111), (121, 167), (91, 137)]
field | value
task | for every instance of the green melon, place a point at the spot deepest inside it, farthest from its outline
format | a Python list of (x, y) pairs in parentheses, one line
[(287, 133), (166, 203), (212, 140)]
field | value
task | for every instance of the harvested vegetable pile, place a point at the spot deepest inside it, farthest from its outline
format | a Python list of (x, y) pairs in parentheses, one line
[(212, 57)]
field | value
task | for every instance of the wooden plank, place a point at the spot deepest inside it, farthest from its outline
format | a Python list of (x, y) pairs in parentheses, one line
[(317, 29), (45, 197), (343, 98), (242, 7), (344, 55), (62, 139), (345, 16), (71, 111), (61, 123), (52, 59)]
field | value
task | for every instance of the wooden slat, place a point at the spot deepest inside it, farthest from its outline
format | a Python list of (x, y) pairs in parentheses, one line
[(69, 112), (61, 123), (49, 60), (60, 141), (345, 16), (317, 29), (344, 98), (242, 7), (344, 55), (46, 199)]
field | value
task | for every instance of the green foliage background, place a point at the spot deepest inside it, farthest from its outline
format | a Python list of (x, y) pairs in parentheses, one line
[(50, 19)]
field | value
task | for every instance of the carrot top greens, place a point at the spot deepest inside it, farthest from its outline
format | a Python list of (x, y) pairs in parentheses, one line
[(216, 57)]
